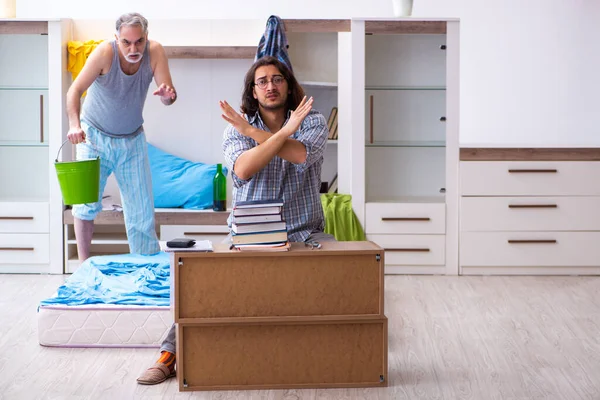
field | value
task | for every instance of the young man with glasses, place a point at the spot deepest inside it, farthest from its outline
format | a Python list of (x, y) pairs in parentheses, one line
[(275, 151)]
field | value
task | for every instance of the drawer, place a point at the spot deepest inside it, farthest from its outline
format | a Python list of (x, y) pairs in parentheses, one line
[(530, 214), (412, 249), (405, 218), (27, 217), (24, 248), (529, 178), (535, 249), (214, 233), (279, 355), (341, 278)]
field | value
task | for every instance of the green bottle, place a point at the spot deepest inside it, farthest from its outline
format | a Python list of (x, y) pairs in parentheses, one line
[(219, 190)]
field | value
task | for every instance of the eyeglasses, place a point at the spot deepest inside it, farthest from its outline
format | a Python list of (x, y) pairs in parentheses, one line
[(263, 82)]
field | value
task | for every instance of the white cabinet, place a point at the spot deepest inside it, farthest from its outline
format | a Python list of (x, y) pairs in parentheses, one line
[(529, 178), (215, 233), (536, 217), (24, 217), (33, 83), (402, 155)]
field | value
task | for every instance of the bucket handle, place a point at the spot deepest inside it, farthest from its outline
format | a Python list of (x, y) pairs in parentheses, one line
[(67, 140)]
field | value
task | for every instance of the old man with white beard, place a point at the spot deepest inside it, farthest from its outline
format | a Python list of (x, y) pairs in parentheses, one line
[(109, 124)]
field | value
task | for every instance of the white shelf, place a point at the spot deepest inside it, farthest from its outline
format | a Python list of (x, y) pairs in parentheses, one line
[(407, 143), (19, 143), (409, 199), (74, 259), (424, 88), (185, 210), (17, 198), (105, 238), (23, 88), (22, 199), (319, 84)]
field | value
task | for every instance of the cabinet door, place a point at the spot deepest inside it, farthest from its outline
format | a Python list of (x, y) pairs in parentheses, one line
[(24, 173), (405, 117), (405, 107), (23, 89), (23, 117), (24, 61), (405, 60)]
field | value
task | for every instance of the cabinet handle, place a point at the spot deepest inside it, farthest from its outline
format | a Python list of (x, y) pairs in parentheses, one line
[(531, 241), (16, 249), (394, 219), (16, 218), (533, 171), (371, 118), (532, 206), (203, 233), (409, 249), (442, 119), (443, 47), (41, 118)]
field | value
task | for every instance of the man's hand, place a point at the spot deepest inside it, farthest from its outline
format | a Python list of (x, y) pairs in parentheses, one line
[(298, 115), (234, 118), (76, 135), (167, 94)]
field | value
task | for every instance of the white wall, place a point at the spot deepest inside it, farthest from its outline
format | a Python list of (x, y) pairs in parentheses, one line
[(528, 67)]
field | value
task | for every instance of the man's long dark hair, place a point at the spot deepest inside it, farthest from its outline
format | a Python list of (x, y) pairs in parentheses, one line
[(250, 104)]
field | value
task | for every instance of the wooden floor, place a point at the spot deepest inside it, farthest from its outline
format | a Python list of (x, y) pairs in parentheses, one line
[(449, 338)]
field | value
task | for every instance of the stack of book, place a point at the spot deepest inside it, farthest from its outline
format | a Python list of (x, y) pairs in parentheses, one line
[(258, 225)]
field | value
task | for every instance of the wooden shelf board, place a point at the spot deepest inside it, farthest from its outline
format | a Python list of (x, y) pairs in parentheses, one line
[(216, 52), (305, 25), (530, 154), (24, 27), (406, 27), (249, 52), (317, 25)]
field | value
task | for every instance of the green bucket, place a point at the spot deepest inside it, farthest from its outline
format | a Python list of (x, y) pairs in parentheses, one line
[(79, 180)]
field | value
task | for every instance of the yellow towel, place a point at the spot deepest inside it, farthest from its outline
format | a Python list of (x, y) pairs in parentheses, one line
[(78, 54)]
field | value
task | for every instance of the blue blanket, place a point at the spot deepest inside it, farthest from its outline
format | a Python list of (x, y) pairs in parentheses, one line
[(117, 279)]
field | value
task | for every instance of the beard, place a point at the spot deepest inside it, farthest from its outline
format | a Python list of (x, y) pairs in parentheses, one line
[(273, 105), (134, 60)]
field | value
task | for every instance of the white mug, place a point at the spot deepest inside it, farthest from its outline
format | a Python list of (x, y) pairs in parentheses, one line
[(402, 8)]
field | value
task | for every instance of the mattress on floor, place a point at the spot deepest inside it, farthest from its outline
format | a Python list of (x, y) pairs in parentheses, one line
[(110, 301)]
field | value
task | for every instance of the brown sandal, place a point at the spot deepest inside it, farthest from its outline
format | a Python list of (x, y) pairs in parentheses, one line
[(157, 373)]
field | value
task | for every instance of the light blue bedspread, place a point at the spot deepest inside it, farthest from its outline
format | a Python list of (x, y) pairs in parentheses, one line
[(117, 279)]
